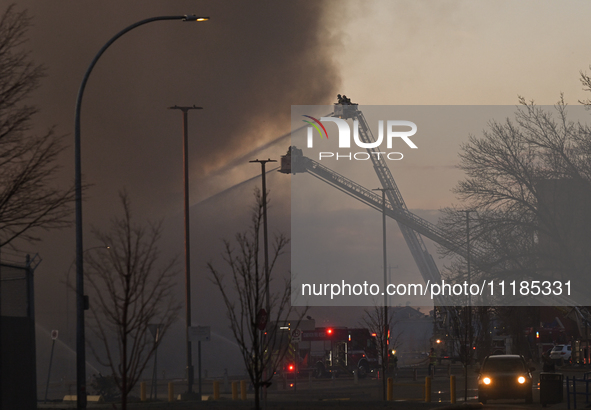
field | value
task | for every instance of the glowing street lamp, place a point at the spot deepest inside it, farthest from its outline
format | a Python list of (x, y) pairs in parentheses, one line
[(80, 305)]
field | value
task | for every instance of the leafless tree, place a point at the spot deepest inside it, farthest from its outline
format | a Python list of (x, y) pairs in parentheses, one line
[(586, 81), (387, 338), (529, 181), (517, 177), (243, 292), (29, 197), (129, 290)]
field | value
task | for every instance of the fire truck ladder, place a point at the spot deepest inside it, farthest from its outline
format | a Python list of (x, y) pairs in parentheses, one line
[(407, 221), (410, 230), (403, 216)]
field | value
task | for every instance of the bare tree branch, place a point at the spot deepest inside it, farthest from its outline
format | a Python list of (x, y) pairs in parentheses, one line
[(29, 197), (130, 289), (243, 290)]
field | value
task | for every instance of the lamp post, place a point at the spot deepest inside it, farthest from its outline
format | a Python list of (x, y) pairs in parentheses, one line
[(468, 330), (69, 335), (80, 298), (386, 324), (190, 374)]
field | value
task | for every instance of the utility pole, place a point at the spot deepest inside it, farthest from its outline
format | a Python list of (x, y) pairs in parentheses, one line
[(390, 279), (263, 162), (468, 331), (386, 324), (190, 374)]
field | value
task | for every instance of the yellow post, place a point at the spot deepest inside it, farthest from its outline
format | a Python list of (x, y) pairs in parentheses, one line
[(216, 390), (390, 391), (242, 389), (170, 391), (427, 389), (452, 389), (143, 391), (234, 390)]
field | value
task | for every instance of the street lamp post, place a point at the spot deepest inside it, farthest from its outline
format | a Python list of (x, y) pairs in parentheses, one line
[(69, 335), (468, 330), (190, 373), (386, 324), (80, 298)]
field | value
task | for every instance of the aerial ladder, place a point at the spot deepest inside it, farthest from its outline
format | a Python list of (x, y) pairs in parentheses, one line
[(412, 226)]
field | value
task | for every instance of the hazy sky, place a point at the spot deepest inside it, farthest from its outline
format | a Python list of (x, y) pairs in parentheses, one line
[(246, 67)]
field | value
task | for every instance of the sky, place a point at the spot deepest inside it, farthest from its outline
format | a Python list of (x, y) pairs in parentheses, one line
[(246, 67)]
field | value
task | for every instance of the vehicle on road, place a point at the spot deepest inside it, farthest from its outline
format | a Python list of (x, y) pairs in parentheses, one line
[(561, 354), (505, 377)]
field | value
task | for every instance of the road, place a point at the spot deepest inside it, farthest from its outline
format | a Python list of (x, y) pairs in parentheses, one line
[(344, 392)]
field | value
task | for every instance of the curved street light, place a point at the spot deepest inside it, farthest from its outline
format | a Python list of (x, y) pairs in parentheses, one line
[(80, 338)]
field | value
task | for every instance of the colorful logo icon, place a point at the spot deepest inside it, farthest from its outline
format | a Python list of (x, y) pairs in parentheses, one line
[(316, 126)]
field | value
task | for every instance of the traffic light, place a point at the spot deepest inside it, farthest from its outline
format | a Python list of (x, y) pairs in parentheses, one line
[(329, 331)]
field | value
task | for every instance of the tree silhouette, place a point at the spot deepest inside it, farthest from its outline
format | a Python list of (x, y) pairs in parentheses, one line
[(263, 348), (129, 290), (29, 198)]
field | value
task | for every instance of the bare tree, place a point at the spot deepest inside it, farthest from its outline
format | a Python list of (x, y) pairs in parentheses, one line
[(529, 181), (243, 291), (518, 175), (130, 290), (586, 81), (387, 338), (29, 197)]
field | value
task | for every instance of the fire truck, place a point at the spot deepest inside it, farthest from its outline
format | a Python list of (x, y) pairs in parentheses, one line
[(335, 350)]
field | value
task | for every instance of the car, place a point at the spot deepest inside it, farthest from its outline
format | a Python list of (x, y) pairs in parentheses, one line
[(505, 377), (561, 354)]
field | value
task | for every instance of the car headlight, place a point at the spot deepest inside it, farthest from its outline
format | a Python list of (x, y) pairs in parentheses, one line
[(486, 380), (521, 379)]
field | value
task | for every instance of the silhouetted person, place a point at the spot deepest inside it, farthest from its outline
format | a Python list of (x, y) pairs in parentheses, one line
[(549, 365)]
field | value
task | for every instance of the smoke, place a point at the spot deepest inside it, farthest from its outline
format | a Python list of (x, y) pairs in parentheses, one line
[(245, 67)]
